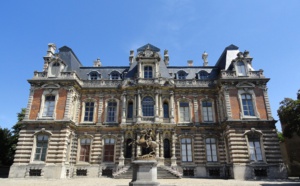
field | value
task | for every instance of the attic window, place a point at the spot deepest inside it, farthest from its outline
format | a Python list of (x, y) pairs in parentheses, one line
[(94, 76), (241, 70), (55, 64), (203, 75), (115, 76), (181, 75)]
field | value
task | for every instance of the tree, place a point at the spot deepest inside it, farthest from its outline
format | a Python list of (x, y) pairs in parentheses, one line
[(5, 147), (289, 115)]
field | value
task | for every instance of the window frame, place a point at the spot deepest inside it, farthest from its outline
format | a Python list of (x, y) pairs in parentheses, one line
[(251, 92), (106, 111), (87, 154), (148, 108), (104, 149), (211, 155), (186, 160), (33, 152), (83, 110), (115, 75), (46, 92), (94, 73), (129, 113), (241, 68), (181, 75), (148, 73), (85, 136), (189, 111), (111, 111), (259, 136), (166, 111), (58, 69), (201, 76), (213, 119)]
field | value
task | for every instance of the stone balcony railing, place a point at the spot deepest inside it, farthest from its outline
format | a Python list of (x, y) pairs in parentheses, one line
[(194, 83), (232, 74), (148, 118), (101, 83)]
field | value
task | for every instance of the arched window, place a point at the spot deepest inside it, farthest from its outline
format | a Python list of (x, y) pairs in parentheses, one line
[(167, 148), (181, 75), (186, 150), (111, 111), (148, 72), (41, 147), (203, 75), (166, 109), (207, 111), (130, 110), (241, 70), (115, 75), (211, 150), (128, 153), (49, 106), (109, 150), (148, 106), (85, 146), (247, 105)]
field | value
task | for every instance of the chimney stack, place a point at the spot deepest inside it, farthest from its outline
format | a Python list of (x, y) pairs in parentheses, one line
[(131, 55), (166, 57), (190, 63), (97, 63)]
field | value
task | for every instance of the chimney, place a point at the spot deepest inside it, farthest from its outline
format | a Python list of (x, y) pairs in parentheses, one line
[(166, 57), (204, 57), (131, 55), (50, 53), (97, 63), (190, 63)]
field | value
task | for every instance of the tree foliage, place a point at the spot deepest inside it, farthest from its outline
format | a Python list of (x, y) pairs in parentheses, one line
[(289, 115)]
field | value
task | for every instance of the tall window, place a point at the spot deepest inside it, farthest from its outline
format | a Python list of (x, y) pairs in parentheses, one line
[(166, 110), (55, 69), (148, 106), (85, 146), (247, 105), (186, 150), (211, 150), (203, 75), (241, 70), (148, 72), (111, 111), (181, 75), (207, 111), (115, 75), (255, 148), (184, 112), (49, 106), (89, 111), (130, 110), (41, 147), (109, 150)]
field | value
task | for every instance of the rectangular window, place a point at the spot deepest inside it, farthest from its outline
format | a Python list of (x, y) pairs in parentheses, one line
[(111, 111), (49, 106), (148, 72), (85, 145), (255, 149), (247, 105), (89, 111), (130, 110), (207, 111), (41, 147), (109, 150), (184, 112), (166, 110), (211, 150), (186, 150)]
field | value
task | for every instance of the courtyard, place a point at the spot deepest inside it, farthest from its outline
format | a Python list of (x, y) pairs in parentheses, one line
[(123, 182)]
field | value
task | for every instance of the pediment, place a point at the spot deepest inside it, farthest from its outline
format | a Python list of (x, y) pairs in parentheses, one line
[(148, 47), (245, 85)]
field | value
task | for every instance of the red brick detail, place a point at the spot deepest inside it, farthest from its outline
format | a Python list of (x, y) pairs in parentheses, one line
[(61, 104), (36, 104), (235, 105), (260, 103)]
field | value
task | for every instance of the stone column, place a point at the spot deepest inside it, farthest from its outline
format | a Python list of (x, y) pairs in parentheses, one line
[(196, 110), (121, 158), (139, 116), (157, 147), (172, 120), (161, 113), (161, 153), (30, 99), (173, 158), (267, 102), (156, 107), (124, 108), (100, 109), (227, 102)]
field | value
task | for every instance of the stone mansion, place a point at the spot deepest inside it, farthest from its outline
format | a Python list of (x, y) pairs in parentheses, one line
[(209, 121)]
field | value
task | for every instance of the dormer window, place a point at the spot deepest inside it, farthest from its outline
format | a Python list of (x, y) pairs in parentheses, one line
[(203, 75), (94, 76), (54, 69), (181, 75), (115, 75), (148, 72), (241, 69)]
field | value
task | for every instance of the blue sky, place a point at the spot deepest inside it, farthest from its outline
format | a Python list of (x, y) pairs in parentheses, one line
[(269, 29)]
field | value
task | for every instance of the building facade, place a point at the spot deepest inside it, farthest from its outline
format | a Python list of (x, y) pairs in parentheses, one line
[(209, 121)]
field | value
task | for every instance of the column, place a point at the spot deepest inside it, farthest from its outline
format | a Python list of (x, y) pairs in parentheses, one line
[(139, 104), (157, 147), (196, 110), (173, 158), (227, 102), (161, 145), (156, 107), (68, 104), (124, 107), (100, 109), (121, 158), (161, 113), (172, 107)]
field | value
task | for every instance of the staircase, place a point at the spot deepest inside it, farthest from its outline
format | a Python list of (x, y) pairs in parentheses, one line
[(162, 173)]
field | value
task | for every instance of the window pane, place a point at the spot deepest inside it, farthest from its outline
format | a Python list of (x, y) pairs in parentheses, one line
[(130, 110), (148, 106), (166, 110)]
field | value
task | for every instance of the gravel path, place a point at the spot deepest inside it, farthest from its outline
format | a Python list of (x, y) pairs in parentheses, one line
[(123, 182)]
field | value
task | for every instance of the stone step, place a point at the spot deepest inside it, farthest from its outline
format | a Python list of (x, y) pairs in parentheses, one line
[(161, 174)]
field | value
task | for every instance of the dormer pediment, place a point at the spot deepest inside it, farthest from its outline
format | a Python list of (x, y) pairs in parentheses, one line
[(245, 85)]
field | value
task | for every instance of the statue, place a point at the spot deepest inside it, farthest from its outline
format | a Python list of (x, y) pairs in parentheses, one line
[(147, 140)]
